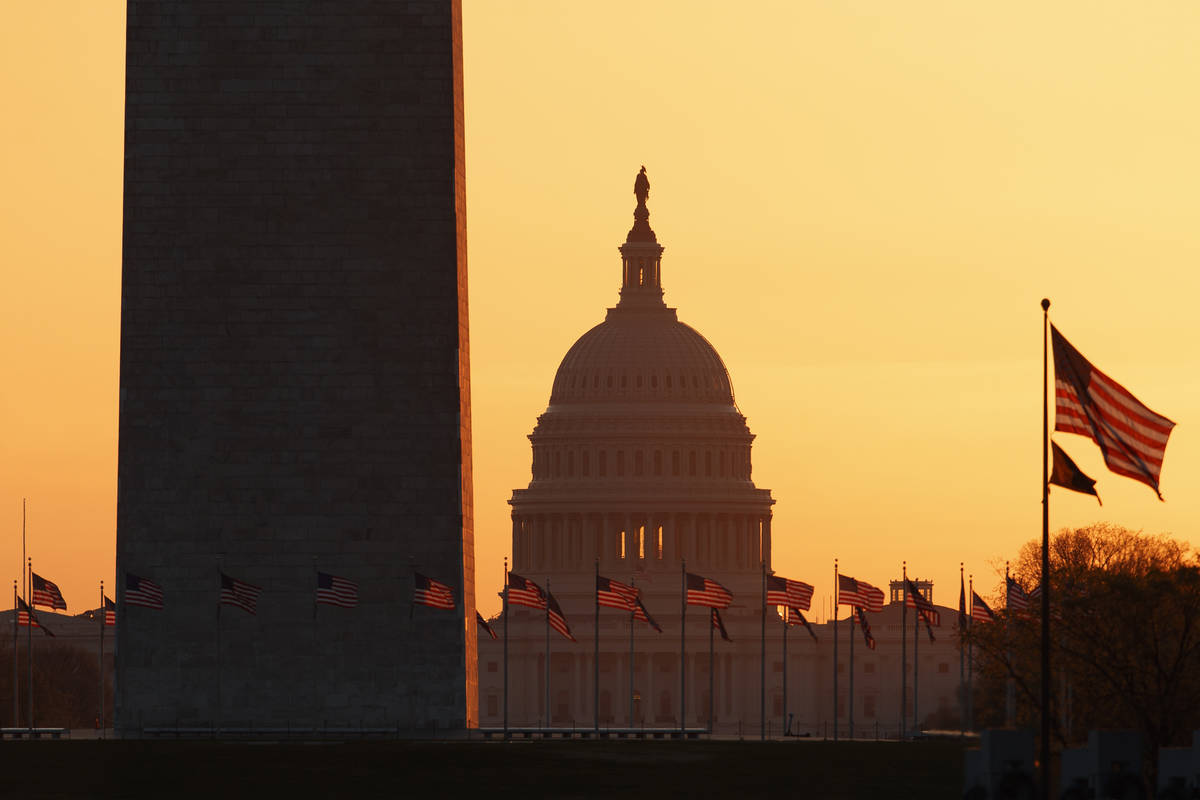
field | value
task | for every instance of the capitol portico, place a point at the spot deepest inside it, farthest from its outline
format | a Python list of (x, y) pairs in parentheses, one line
[(641, 464)]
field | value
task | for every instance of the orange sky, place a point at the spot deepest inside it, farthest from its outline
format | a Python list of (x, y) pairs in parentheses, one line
[(861, 203)]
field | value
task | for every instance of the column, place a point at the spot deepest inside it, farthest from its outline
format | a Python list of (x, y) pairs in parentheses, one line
[(766, 540), (518, 541)]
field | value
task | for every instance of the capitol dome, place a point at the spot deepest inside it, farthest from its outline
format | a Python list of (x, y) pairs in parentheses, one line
[(640, 355), (641, 465)]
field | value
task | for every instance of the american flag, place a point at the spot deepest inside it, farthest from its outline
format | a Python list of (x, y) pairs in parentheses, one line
[(979, 609), (640, 612), (142, 592), (110, 612), (557, 620), (483, 623), (859, 593), (914, 599), (435, 594), (784, 592), (45, 593), (614, 594), (794, 617), (1132, 438), (703, 592), (719, 624), (335, 591), (524, 592), (1018, 600), (866, 627), (25, 614), (239, 593)]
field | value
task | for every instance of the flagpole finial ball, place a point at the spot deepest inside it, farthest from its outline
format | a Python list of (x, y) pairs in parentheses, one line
[(1045, 304)]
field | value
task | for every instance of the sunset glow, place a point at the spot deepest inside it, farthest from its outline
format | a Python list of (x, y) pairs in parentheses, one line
[(861, 204)]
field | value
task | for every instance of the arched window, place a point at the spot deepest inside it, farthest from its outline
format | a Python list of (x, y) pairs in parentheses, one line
[(603, 465), (692, 463), (708, 464), (675, 463), (557, 464), (638, 463), (722, 463), (571, 464), (587, 463), (658, 462), (620, 463)]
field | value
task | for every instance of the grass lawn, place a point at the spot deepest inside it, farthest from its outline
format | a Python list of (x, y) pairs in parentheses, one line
[(527, 769)]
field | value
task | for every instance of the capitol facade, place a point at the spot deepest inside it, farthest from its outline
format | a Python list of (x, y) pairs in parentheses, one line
[(642, 471)]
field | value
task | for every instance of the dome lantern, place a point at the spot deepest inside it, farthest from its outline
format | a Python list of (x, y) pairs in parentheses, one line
[(641, 255)]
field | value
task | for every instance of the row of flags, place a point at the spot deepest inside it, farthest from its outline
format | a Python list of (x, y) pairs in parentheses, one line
[(794, 596), (332, 590)]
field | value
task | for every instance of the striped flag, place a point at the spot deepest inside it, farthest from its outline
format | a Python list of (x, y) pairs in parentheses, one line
[(640, 612), (866, 627), (110, 612), (239, 593), (26, 616), (524, 592), (336, 591), (703, 592), (1035, 595), (1132, 438), (719, 625), (859, 593), (483, 623), (435, 594), (979, 609), (789, 593), (914, 599), (557, 620), (614, 594), (45, 593), (142, 592), (794, 617), (1017, 600)]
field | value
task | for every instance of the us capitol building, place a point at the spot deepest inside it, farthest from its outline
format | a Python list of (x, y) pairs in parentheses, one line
[(643, 460)]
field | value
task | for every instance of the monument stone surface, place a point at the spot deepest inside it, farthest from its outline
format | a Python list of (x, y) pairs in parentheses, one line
[(294, 390)]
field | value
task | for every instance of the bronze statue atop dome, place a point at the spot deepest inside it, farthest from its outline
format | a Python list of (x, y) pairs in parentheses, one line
[(641, 187)]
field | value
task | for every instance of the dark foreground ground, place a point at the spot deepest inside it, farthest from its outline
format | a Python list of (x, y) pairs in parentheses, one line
[(534, 769)]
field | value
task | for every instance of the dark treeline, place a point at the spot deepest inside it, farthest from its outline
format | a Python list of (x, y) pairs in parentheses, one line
[(66, 685), (1125, 633)]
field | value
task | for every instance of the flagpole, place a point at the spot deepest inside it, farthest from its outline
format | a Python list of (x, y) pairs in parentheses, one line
[(631, 613), (850, 693), (916, 726), (596, 659), (504, 602), (762, 661), (784, 724), (962, 629), (547, 723), (903, 643), (29, 637), (1045, 555), (220, 559), (16, 664), (316, 645), (682, 648), (970, 655), (835, 650), (103, 622), (1010, 695), (711, 619)]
